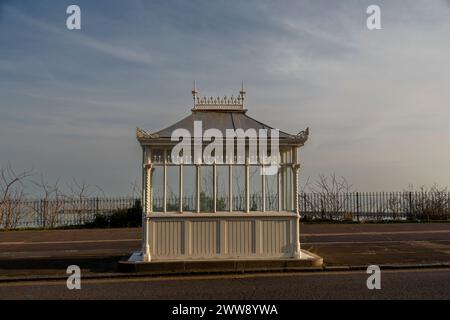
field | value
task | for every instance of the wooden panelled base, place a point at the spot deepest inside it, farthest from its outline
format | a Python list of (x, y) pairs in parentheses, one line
[(211, 236)]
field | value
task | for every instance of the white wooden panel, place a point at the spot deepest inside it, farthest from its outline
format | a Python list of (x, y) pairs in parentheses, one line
[(168, 238), (275, 237), (240, 237), (204, 238)]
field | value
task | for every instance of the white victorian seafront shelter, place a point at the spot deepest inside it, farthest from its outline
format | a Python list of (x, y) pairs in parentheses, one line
[(212, 199)]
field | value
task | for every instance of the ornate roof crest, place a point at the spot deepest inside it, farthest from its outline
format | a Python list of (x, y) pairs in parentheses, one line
[(219, 103)]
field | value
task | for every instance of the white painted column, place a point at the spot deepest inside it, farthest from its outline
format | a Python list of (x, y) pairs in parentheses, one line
[(294, 188), (197, 187), (181, 187), (297, 250), (165, 182), (230, 187), (283, 185), (148, 208), (263, 189), (144, 200), (279, 187), (247, 186), (295, 169), (214, 187)]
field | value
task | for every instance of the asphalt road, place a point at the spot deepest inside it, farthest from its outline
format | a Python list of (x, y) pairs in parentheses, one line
[(25, 253), (402, 284), (97, 251)]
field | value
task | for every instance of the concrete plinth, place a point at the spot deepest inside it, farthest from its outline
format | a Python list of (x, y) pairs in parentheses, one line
[(136, 264)]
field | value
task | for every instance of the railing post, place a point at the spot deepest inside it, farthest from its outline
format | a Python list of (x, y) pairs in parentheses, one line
[(448, 206), (447, 209), (410, 213), (41, 211), (357, 206)]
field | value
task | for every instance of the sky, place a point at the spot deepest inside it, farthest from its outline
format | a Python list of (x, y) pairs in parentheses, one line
[(376, 101)]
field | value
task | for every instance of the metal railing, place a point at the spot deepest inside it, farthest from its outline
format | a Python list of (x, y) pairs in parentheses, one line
[(39, 213), (375, 206), (355, 206)]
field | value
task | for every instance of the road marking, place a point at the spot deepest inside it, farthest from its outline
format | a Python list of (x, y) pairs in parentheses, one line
[(302, 235), (135, 279), (138, 240), (373, 233), (68, 242), (373, 241), (84, 253)]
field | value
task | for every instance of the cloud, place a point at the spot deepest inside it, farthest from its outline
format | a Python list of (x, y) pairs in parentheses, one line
[(376, 101), (74, 37)]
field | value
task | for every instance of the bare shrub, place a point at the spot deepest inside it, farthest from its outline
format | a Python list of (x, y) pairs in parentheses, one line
[(51, 203), (330, 197), (428, 203), (11, 196)]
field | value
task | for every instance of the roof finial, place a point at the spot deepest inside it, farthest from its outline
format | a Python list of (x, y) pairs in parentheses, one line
[(242, 92), (194, 92)]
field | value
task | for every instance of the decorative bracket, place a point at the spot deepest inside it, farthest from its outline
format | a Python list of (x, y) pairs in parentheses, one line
[(142, 134), (302, 136)]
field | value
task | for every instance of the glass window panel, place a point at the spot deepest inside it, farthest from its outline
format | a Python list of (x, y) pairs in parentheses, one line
[(287, 188), (238, 185), (287, 156), (169, 156), (271, 192), (206, 188), (255, 188), (173, 188), (158, 189), (290, 175), (147, 155), (157, 155), (223, 199), (189, 188)]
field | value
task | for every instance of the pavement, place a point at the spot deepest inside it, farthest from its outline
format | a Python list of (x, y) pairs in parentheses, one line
[(25, 254)]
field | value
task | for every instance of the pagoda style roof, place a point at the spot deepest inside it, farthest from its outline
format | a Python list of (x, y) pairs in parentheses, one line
[(218, 113)]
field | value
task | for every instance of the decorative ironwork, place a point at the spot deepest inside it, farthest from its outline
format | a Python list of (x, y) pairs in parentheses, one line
[(302, 136), (218, 103)]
